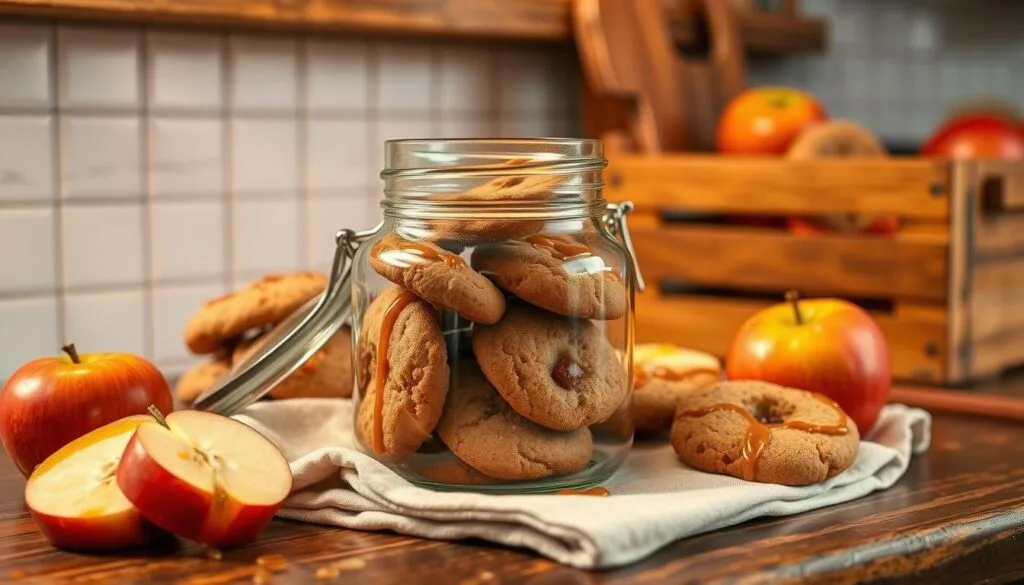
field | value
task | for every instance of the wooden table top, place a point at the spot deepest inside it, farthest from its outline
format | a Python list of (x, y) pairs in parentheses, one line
[(956, 517)]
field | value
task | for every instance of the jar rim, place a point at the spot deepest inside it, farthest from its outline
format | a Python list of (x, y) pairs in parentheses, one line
[(410, 157)]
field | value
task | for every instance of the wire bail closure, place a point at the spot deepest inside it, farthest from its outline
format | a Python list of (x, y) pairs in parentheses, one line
[(615, 222)]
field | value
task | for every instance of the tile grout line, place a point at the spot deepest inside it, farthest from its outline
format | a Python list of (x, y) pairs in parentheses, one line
[(302, 131), (57, 186), (145, 177)]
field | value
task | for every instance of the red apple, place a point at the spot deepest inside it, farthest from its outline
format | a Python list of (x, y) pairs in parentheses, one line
[(74, 498), (51, 401), (204, 477), (827, 346), (976, 136)]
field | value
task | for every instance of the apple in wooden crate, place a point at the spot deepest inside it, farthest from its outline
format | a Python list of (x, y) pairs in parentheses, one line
[(50, 401), (74, 498), (829, 346), (204, 477)]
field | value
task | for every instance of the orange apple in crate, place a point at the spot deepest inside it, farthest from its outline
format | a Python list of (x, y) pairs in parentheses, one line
[(765, 120), (829, 346)]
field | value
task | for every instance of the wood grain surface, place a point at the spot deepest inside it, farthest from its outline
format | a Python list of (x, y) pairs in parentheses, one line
[(510, 20), (956, 517)]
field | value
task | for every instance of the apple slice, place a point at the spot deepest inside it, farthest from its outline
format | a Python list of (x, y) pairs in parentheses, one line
[(204, 477), (74, 498)]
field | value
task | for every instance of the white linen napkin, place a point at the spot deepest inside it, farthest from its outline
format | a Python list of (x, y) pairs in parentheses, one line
[(655, 498)]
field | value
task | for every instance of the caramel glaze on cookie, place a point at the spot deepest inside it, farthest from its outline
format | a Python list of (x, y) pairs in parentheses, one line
[(439, 277), (766, 433), (402, 398), (482, 431), (554, 273), (327, 374), (265, 302), (559, 372)]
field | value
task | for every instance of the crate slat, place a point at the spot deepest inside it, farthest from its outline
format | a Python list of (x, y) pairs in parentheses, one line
[(750, 258), (918, 349), (913, 188)]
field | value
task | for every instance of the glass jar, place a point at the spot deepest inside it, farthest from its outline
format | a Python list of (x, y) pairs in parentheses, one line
[(491, 316)]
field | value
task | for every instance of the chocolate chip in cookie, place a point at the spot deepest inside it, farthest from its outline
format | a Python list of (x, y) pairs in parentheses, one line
[(439, 277), (555, 273), (402, 372), (763, 432), (559, 372), (485, 433)]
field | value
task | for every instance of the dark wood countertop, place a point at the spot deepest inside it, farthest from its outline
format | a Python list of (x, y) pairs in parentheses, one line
[(956, 517)]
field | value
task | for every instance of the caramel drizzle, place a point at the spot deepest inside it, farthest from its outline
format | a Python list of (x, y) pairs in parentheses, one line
[(759, 433), (643, 375), (594, 491), (424, 252), (560, 248), (383, 343)]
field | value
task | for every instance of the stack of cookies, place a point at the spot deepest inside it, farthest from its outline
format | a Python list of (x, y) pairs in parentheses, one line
[(537, 373), (228, 329)]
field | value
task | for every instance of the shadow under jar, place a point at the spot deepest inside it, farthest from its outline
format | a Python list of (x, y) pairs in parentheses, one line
[(491, 316)]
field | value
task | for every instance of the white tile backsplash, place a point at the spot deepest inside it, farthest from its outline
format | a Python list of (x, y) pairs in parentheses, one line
[(263, 74), (526, 82), (337, 153), (266, 236), (102, 245), (106, 322), (26, 158), (101, 157), (186, 157), (172, 307), (467, 81), (30, 330), (405, 78), (27, 254), (337, 76), (264, 156), (188, 240), (25, 57), (99, 67), (350, 210), (185, 71)]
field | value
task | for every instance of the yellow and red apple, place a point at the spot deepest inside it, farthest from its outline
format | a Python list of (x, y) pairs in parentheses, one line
[(829, 346), (52, 401), (204, 477), (74, 498)]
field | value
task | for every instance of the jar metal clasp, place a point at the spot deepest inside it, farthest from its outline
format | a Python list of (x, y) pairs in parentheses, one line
[(615, 222)]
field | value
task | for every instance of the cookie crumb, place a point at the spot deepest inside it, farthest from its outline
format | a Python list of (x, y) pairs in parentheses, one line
[(272, 562), (213, 554), (261, 577)]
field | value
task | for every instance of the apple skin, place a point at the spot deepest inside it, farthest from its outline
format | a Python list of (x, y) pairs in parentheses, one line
[(119, 530), (51, 401), (182, 509), (838, 351)]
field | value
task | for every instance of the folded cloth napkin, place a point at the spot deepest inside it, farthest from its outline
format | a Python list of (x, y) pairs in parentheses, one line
[(655, 498)]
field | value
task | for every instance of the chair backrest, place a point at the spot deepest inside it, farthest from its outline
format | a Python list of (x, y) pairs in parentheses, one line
[(639, 86)]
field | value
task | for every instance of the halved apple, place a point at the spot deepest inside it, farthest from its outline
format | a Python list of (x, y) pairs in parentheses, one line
[(204, 477), (74, 498)]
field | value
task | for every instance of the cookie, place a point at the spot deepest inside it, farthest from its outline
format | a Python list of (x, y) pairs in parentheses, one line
[(198, 379), (438, 277), (266, 301), (559, 372), (835, 139), (554, 273), (401, 328), (453, 471), (511, 188), (662, 375), (485, 433), (327, 374), (762, 432)]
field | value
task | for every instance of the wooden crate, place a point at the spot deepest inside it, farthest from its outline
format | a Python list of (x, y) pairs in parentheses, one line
[(947, 289)]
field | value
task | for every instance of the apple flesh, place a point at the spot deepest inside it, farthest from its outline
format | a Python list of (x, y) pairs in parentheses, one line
[(49, 402), (74, 498), (829, 346), (204, 477)]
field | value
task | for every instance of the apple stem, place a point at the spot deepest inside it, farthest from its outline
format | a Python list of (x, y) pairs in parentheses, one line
[(794, 299), (155, 413), (72, 353)]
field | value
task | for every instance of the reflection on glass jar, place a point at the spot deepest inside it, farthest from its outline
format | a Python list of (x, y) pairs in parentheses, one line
[(492, 318)]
